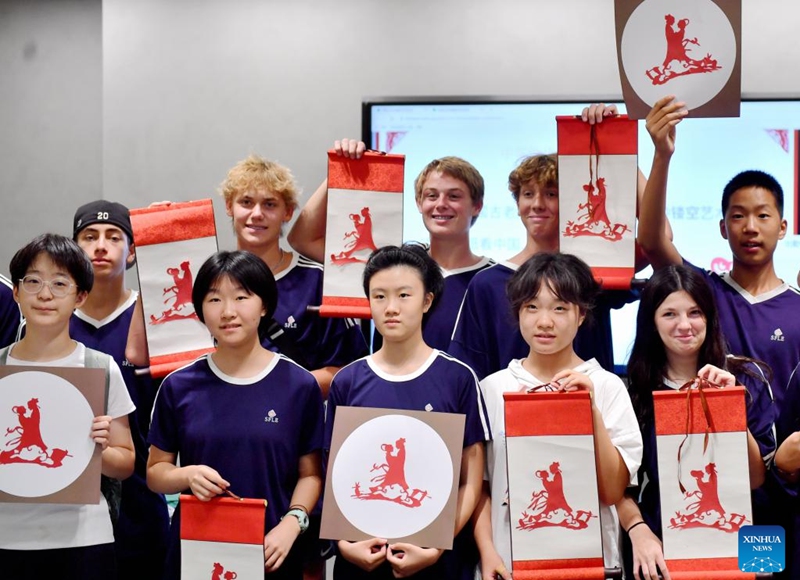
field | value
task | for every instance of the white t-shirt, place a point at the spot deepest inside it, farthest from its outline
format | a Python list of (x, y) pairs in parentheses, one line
[(614, 404), (25, 526)]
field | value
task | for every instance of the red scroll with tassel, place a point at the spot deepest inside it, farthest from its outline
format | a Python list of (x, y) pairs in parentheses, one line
[(597, 177), (365, 212), (701, 437), (552, 487), (222, 538), (172, 242)]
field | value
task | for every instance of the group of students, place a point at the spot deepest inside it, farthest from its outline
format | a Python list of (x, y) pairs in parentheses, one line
[(455, 332)]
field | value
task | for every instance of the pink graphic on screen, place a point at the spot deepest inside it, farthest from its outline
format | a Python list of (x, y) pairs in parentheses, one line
[(679, 61)]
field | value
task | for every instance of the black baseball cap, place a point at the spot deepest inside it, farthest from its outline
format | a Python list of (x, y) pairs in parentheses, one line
[(102, 212)]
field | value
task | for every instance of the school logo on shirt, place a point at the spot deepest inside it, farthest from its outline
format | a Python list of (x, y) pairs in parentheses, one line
[(778, 335), (290, 322), (272, 417), (429, 407)]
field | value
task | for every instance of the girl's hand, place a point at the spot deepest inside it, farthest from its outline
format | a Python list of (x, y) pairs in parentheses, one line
[(101, 429), (492, 567), (278, 541), (717, 376), (206, 483), (572, 380), (408, 559), (366, 554), (648, 554)]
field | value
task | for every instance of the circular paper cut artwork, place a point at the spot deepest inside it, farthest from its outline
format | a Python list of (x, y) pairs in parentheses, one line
[(685, 48), (45, 425), (392, 477)]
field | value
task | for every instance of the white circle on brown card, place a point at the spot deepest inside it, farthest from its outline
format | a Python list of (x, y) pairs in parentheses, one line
[(685, 48), (45, 427), (392, 476)]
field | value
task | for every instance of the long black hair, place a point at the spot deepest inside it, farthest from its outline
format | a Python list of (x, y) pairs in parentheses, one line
[(648, 361)]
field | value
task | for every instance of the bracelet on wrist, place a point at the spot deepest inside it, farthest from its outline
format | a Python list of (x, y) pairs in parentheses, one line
[(639, 523)]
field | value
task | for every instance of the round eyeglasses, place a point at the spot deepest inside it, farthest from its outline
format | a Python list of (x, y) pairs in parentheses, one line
[(59, 286)]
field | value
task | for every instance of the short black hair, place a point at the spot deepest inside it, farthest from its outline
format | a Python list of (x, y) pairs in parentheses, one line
[(567, 276), (62, 251), (410, 254), (247, 270), (752, 178)]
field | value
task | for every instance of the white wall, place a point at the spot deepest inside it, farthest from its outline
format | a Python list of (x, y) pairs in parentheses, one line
[(191, 86), (50, 116)]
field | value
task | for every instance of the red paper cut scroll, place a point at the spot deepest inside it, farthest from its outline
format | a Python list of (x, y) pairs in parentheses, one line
[(597, 176), (222, 539), (172, 242), (705, 482), (365, 212), (552, 487)]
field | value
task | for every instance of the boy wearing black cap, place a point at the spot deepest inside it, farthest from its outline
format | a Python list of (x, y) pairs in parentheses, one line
[(103, 230)]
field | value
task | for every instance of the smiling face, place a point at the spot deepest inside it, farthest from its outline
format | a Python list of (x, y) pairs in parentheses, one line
[(232, 314), (548, 324), (257, 218), (537, 207), (397, 301), (681, 325), (43, 309), (108, 249), (752, 225), (446, 206)]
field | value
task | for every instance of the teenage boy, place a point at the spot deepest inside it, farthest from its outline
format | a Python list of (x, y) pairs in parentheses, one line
[(52, 277), (260, 197), (103, 230), (449, 195), (487, 335), (759, 313)]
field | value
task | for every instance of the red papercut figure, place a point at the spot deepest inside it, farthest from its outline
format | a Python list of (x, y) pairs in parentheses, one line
[(181, 293), (28, 445), (706, 511), (361, 240), (595, 221), (549, 507), (391, 484), (217, 573), (678, 62)]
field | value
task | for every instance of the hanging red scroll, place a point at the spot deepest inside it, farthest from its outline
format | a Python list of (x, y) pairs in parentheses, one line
[(701, 438), (172, 242), (552, 486), (597, 177), (222, 538), (365, 212)]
